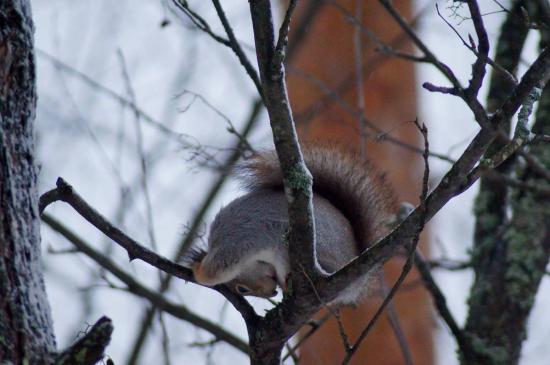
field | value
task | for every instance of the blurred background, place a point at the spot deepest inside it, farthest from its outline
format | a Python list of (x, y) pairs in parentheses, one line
[(142, 112)]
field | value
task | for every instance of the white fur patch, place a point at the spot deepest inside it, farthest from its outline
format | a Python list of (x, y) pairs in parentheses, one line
[(279, 262)]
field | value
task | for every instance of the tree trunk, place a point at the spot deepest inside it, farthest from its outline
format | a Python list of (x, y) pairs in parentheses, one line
[(26, 331), (390, 98), (512, 236)]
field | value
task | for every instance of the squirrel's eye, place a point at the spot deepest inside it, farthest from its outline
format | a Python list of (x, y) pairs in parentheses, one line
[(242, 289)]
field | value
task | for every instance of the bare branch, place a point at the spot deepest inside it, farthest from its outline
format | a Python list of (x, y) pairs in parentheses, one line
[(440, 302), (136, 288), (282, 41), (182, 139), (65, 192), (412, 248), (509, 76), (140, 153), (444, 69), (200, 22), (236, 47), (478, 68), (314, 325)]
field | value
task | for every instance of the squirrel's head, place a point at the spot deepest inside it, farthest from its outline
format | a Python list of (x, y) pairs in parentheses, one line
[(257, 279)]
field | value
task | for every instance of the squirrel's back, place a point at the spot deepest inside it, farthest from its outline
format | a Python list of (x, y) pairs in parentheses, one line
[(246, 248), (340, 176)]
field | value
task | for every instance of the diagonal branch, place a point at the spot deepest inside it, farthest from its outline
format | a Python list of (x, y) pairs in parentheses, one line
[(428, 54), (187, 241), (236, 47), (411, 247), (453, 183), (66, 193), (200, 22), (464, 344), (136, 288)]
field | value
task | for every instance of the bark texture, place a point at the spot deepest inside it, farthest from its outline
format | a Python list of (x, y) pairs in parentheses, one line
[(26, 331), (512, 235)]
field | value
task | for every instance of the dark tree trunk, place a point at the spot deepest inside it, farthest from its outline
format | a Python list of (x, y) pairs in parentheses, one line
[(26, 332), (512, 236)]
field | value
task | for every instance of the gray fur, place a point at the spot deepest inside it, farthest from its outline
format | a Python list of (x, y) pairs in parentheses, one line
[(352, 203), (259, 220)]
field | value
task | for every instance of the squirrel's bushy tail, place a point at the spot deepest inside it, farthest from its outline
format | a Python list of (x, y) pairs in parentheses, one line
[(341, 176)]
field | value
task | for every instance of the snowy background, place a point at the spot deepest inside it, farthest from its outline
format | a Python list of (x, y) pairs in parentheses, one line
[(88, 137)]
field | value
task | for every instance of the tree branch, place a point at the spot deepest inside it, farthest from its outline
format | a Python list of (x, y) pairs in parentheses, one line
[(236, 47), (89, 350), (66, 193), (297, 178), (478, 68), (133, 286), (464, 343)]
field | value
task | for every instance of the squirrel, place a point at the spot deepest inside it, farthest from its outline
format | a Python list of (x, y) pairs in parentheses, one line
[(246, 245)]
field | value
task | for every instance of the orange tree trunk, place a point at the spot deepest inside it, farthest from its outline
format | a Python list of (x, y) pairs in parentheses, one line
[(325, 61)]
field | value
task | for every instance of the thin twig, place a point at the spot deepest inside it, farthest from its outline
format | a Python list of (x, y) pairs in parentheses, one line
[(315, 325), (243, 141), (282, 40), (66, 193), (334, 311), (236, 47), (395, 324), (141, 154), (182, 139), (200, 22), (440, 303), (444, 69), (510, 77), (478, 68), (414, 242), (380, 134), (178, 311)]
